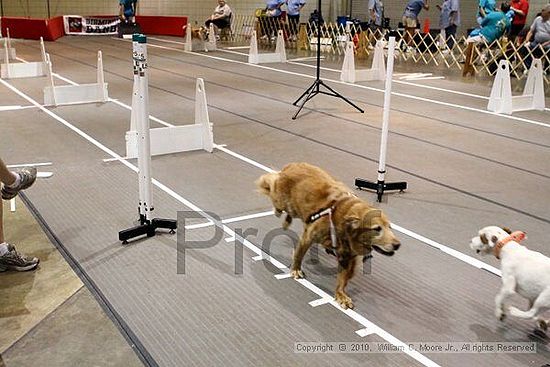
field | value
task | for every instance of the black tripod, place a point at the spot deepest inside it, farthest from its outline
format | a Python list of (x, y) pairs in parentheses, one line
[(315, 88)]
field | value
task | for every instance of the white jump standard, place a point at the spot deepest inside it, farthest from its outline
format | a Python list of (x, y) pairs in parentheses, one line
[(501, 99), (76, 94), (376, 72), (23, 69), (147, 226), (381, 185)]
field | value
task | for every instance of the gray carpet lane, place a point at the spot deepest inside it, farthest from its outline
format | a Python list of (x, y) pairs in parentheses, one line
[(420, 292), (205, 317), (453, 209)]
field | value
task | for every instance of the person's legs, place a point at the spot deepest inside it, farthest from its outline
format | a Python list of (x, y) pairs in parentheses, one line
[(6, 176), (450, 34), (15, 181)]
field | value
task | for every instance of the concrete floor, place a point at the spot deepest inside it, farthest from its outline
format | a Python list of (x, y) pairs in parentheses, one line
[(466, 168)]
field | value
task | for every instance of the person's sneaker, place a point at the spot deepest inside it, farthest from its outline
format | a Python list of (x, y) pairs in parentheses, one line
[(28, 176), (13, 260)]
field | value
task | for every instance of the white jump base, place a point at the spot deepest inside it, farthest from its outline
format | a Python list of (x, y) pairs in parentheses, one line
[(501, 99), (76, 94), (176, 139), (377, 71), (9, 52), (265, 58), (23, 70)]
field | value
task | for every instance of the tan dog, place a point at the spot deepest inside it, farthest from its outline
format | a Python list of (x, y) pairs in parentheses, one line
[(333, 217)]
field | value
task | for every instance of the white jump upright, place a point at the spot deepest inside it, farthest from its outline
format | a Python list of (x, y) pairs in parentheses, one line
[(140, 112), (9, 52), (278, 56), (199, 44), (24, 69), (381, 185), (175, 139), (501, 99), (376, 72), (76, 94)]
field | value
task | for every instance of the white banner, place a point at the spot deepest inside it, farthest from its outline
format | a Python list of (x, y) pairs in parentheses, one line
[(78, 25)]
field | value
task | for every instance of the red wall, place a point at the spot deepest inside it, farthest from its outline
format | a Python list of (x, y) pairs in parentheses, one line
[(167, 26), (52, 29), (49, 29)]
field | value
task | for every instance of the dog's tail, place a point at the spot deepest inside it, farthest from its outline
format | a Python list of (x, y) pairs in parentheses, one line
[(266, 183)]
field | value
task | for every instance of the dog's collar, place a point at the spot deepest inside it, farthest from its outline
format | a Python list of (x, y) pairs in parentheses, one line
[(516, 236)]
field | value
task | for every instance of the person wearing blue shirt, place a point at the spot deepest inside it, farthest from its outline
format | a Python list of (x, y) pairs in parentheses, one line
[(127, 10), (485, 7), (449, 20), (293, 8), (376, 12), (273, 19), (410, 17), (493, 26)]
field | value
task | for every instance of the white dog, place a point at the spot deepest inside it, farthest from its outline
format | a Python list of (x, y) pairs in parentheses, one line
[(524, 272)]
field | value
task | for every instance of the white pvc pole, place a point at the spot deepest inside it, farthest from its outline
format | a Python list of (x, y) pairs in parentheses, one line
[(142, 117), (386, 114), (7, 57)]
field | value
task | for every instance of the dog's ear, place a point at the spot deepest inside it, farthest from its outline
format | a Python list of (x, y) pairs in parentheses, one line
[(483, 239), (353, 222), (507, 230)]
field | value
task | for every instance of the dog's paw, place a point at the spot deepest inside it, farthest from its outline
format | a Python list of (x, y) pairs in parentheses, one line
[(500, 315), (344, 301), (278, 212), (297, 274)]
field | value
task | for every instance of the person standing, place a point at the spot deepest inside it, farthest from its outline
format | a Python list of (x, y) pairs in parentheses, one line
[(293, 8), (128, 9), (410, 17), (449, 20), (520, 8), (376, 13), (273, 17)]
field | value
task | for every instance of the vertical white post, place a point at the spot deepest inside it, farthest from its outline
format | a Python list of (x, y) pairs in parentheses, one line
[(101, 76), (348, 67), (8, 37), (42, 50), (50, 78), (188, 46), (253, 52), (280, 46), (139, 42), (386, 113), (7, 56)]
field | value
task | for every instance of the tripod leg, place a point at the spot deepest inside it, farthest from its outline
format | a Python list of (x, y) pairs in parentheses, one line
[(307, 92), (310, 93), (336, 94)]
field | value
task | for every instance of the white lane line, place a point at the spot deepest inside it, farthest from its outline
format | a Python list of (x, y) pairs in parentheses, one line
[(258, 258), (231, 220), (237, 48), (10, 108), (415, 75), (44, 174), (165, 40), (454, 253), (320, 302), (369, 325), (508, 117), (245, 159), (307, 284), (230, 239), (29, 165), (282, 276), (447, 90), (311, 58), (364, 332)]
